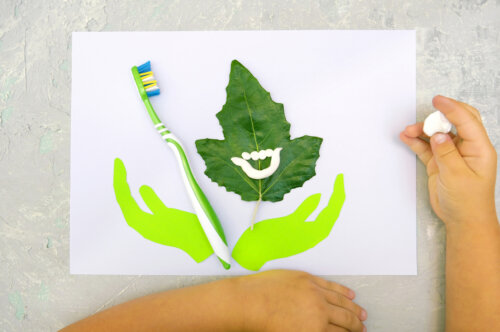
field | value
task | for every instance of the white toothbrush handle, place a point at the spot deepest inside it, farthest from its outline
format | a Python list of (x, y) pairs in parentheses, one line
[(206, 215)]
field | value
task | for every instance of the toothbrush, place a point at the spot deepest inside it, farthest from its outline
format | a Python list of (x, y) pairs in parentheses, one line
[(147, 86)]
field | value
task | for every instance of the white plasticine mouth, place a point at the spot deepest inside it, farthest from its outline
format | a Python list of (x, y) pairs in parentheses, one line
[(255, 155), (436, 123)]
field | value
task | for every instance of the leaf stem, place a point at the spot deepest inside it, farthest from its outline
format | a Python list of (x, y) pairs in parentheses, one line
[(254, 214)]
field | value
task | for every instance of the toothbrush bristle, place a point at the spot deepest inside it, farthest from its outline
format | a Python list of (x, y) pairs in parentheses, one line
[(148, 80), (144, 67)]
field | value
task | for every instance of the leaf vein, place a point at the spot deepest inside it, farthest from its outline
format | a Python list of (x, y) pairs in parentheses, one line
[(238, 172), (254, 135), (251, 119), (279, 176)]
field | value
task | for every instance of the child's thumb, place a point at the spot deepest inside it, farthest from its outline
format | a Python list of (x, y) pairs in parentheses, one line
[(447, 157)]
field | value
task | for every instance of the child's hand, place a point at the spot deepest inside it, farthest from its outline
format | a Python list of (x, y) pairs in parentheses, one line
[(271, 301), (283, 300), (461, 169)]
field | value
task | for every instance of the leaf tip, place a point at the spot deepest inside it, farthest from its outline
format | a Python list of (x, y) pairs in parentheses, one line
[(235, 63), (237, 69)]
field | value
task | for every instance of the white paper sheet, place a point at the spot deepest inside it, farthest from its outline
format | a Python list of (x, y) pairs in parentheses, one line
[(355, 89)]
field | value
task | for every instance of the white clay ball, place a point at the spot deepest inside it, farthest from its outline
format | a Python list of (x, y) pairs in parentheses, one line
[(436, 123), (269, 153), (245, 155), (254, 155), (262, 154)]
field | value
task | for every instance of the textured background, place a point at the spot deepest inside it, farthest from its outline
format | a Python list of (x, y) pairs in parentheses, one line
[(458, 51)]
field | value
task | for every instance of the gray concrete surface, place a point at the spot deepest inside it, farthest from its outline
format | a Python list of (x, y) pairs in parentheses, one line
[(457, 55)]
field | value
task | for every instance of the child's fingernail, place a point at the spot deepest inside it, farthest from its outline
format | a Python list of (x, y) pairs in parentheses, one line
[(440, 138), (364, 315), (351, 294), (364, 328)]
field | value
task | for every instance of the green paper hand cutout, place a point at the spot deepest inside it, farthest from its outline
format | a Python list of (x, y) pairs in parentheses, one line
[(251, 123), (167, 226), (270, 239), (287, 236)]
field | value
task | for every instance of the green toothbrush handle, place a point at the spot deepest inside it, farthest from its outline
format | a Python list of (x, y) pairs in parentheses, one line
[(206, 214)]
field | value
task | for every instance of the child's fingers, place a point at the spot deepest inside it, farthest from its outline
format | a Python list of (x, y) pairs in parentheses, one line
[(345, 318), (468, 107), (468, 126), (448, 159), (471, 109), (335, 328), (340, 300), (421, 148), (333, 286), (415, 130)]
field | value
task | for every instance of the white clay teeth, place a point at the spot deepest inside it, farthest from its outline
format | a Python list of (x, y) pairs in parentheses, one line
[(436, 123), (263, 154)]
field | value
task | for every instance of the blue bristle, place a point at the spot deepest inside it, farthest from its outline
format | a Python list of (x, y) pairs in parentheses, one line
[(153, 93), (144, 67)]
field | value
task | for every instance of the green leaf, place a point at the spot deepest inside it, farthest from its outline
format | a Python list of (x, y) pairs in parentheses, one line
[(252, 121)]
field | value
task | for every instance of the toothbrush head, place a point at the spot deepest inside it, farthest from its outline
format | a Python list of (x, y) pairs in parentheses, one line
[(146, 82)]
